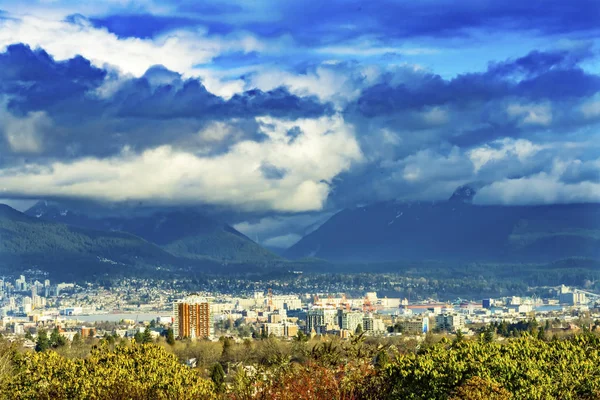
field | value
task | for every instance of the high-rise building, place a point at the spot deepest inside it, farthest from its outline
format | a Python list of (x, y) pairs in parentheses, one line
[(34, 297), (321, 319), (192, 318), (350, 320), (450, 322), (373, 324)]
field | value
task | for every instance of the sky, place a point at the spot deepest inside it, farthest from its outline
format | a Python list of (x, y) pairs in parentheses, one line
[(286, 112)]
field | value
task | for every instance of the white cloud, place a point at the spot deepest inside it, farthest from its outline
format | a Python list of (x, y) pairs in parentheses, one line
[(428, 165), (24, 134), (283, 241), (328, 81), (542, 188), (435, 116), (163, 174), (277, 225), (531, 114), (178, 51), (501, 149), (591, 109)]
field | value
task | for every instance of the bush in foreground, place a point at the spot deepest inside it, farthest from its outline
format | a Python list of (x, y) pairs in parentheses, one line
[(127, 372)]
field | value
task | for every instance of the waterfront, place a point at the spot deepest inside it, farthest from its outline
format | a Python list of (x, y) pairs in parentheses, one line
[(137, 317)]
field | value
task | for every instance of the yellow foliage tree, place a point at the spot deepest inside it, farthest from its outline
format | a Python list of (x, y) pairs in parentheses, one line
[(140, 371)]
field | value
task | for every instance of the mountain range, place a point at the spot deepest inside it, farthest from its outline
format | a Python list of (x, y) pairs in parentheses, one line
[(184, 233), (91, 240), (67, 242), (455, 230)]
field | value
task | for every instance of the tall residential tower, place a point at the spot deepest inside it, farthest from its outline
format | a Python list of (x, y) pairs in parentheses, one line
[(191, 318)]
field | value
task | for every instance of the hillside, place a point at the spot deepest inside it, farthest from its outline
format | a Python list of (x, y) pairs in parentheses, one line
[(184, 233), (63, 250), (455, 230)]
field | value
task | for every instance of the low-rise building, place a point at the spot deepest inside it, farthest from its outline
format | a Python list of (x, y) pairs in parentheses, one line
[(414, 326)]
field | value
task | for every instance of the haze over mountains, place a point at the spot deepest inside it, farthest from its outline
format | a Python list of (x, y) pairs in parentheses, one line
[(455, 230), (184, 233), (56, 238)]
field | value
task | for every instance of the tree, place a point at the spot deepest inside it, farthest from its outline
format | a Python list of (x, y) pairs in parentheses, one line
[(478, 388), (125, 372), (170, 337), (301, 337), (488, 335), (76, 339), (147, 336), (459, 336), (138, 337), (227, 350), (28, 336), (56, 339), (382, 359), (42, 343), (217, 375), (110, 339), (358, 330)]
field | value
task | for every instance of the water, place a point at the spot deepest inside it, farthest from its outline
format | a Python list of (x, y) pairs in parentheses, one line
[(139, 317)]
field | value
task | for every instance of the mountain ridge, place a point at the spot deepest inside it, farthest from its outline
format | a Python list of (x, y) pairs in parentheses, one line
[(184, 233), (457, 230)]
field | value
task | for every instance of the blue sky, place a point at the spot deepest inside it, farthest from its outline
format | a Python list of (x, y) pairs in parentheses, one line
[(288, 111)]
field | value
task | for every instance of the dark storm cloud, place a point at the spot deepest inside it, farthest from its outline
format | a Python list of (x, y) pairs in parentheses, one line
[(545, 76), (514, 98), (90, 118), (35, 81), (190, 99), (423, 134)]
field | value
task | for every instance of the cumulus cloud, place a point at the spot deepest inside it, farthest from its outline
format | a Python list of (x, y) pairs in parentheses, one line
[(500, 150), (591, 109), (531, 114), (24, 134), (538, 189), (260, 119), (334, 82), (325, 148), (178, 50)]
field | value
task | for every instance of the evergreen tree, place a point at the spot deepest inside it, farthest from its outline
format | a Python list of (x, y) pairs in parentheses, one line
[(42, 343), (76, 339), (459, 336), (226, 353), (170, 337), (147, 336), (109, 338), (56, 339), (139, 338), (488, 335), (358, 330), (217, 375)]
